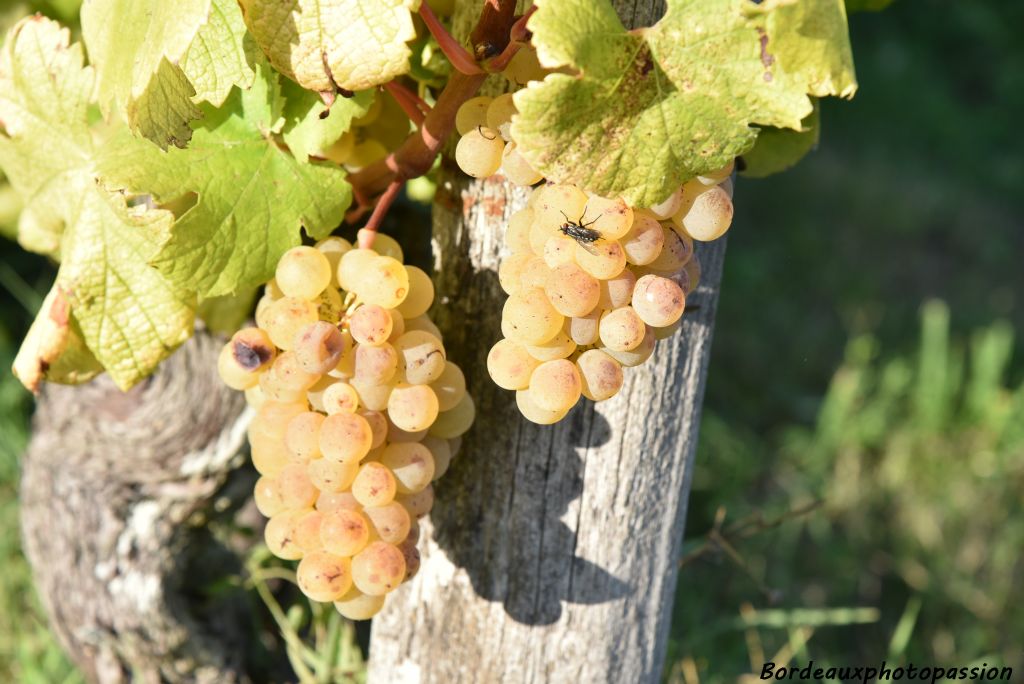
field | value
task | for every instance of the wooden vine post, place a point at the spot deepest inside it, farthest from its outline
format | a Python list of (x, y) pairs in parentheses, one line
[(551, 552)]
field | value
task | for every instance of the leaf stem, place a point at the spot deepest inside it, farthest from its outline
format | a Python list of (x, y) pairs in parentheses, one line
[(457, 55), (414, 107), (519, 36)]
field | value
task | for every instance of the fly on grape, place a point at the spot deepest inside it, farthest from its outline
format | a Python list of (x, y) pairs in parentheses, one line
[(581, 232)]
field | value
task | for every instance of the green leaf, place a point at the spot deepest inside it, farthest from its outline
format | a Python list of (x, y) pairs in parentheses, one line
[(867, 5), (649, 109), (305, 132), (227, 314), (164, 110), (251, 197), (128, 314), (324, 45), (216, 60), (777, 149), (811, 42), (127, 40)]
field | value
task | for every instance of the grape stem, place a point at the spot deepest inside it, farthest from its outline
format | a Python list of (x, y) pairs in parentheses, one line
[(519, 35), (384, 203), (417, 154), (457, 55), (413, 106)]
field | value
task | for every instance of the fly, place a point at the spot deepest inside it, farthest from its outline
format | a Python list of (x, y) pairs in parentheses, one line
[(581, 232)]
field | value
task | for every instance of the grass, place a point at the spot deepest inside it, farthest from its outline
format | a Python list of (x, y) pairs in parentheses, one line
[(859, 476), (913, 553)]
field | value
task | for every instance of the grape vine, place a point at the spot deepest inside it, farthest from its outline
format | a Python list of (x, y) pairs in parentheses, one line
[(210, 148)]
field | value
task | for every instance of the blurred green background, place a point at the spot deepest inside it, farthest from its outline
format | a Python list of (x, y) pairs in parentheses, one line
[(859, 480)]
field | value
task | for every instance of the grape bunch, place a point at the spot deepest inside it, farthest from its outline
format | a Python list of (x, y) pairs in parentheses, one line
[(593, 284), (358, 411)]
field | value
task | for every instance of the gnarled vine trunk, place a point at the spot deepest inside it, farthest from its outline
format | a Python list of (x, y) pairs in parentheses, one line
[(116, 493), (551, 553)]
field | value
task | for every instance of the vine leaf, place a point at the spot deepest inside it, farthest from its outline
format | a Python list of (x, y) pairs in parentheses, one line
[(127, 313), (127, 40), (248, 198), (777, 149), (164, 110), (310, 127), (645, 110), (216, 60), (325, 45)]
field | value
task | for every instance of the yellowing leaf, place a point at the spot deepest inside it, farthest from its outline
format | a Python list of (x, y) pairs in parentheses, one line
[(216, 60), (53, 348), (811, 42), (127, 39), (129, 315), (328, 44), (163, 112), (649, 109), (251, 197)]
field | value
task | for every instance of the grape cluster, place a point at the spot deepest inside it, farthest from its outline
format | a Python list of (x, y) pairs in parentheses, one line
[(593, 284), (358, 411)]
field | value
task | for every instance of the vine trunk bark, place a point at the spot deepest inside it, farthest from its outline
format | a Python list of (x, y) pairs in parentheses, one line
[(117, 494), (551, 553)]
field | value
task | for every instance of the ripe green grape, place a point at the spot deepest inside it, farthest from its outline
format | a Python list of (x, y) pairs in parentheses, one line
[(390, 522), (572, 291), (412, 465), (370, 324), (677, 250), (382, 281), (378, 569), (355, 605), (637, 355), (351, 265), (584, 329), (515, 167), (559, 250), (267, 495), (604, 259), (371, 395), (412, 407), (529, 317), (710, 216), (524, 67), (499, 115), (455, 421), (421, 294), (303, 272), (323, 576), (378, 423), (286, 317), (617, 291), (383, 244), (375, 365), (450, 387), (333, 248), (472, 114), (345, 437), (302, 436), (558, 347), (510, 365), (441, 452), (332, 476), (374, 485), (421, 357), (279, 535), (249, 352), (307, 531), (658, 301), (418, 504), (344, 532), (645, 239), (668, 206), (600, 375), (610, 217), (340, 397), (478, 152), (555, 385), (534, 413), (319, 346), (621, 329), (517, 235)]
